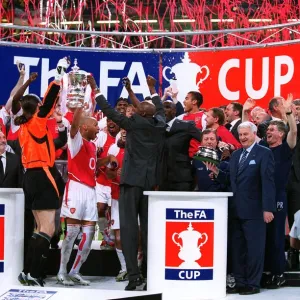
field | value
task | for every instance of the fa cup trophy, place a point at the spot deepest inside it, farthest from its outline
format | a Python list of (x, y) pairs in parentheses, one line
[(77, 83)]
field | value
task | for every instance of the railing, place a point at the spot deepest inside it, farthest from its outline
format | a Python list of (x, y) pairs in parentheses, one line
[(85, 40)]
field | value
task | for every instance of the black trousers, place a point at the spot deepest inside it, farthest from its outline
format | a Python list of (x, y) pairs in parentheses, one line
[(293, 197), (132, 203), (248, 251), (275, 243), (177, 186)]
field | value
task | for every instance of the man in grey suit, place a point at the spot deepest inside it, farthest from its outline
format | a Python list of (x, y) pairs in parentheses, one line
[(140, 172)]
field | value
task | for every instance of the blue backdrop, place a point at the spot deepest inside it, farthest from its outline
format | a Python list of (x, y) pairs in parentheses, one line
[(107, 67)]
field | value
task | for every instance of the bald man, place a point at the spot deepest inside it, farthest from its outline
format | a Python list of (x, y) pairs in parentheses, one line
[(140, 171), (79, 203)]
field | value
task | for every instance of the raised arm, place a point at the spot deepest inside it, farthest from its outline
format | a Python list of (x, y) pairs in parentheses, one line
[(106, 108), (76, 121), (292, 134), (51, 95), (134, 100), (247, 107), (20, 82), (15, 104), (155, 98)]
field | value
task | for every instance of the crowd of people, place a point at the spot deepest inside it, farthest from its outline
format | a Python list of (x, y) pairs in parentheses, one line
[(152, 144)]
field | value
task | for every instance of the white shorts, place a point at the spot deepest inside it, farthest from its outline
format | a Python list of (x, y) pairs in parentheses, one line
[(103, 194), (79, 202), (294, 233), (115, 217)]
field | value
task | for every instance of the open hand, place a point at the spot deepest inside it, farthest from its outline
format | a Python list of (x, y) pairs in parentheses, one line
[(249, 104), (288, 103)]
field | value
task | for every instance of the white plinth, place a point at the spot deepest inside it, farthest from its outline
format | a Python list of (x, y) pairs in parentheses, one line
[(11, 235), (187, 263)]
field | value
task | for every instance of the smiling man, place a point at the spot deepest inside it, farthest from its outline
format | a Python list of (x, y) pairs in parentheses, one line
[(283, 153), (252, 206)]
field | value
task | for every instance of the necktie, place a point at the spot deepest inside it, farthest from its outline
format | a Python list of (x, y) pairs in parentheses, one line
[(228, 126), (1, 169), (242, 160)]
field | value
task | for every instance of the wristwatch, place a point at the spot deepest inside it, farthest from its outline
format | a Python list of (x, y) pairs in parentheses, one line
[(289, 113)]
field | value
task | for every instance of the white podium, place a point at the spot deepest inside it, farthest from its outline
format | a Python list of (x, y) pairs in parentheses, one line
[(11, 235), (187, 244)]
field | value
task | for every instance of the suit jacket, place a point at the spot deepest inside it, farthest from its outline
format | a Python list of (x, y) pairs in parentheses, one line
[(13, 172), (295, 170), (253, 187), (234, 130), (177, 165), (144, 144)]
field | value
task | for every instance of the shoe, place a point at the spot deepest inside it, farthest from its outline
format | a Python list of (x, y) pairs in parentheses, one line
[(64, 279), (248, 290), (133, 284), (122, 276), (230, 281), (234, 290), (276, 282), (35, 281), (293, 259), (77, 278), (23, 278), (266, 278)]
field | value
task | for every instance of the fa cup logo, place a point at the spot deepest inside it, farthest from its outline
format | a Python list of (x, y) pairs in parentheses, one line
[(190, 247)]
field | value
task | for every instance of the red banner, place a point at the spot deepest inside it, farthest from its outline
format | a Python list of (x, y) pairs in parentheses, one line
[(236, 75)]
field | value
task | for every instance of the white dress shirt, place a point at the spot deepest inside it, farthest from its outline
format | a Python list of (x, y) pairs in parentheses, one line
[(170, 123), (232, 123), (248, 151), (3, 160)]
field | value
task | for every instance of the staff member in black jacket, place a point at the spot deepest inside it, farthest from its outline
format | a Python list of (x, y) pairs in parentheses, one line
[(10, 166), (177, 168), (144, 141)]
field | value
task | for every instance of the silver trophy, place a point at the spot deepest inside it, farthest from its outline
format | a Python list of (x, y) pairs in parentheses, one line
[(77, 83)]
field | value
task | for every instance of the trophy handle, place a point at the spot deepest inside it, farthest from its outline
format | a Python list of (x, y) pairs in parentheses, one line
[(164, 73), (206, 75), (206, 238), (174, 241)]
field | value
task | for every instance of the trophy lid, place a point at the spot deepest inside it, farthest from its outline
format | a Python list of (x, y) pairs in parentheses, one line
[(207, 154), (76, 69)]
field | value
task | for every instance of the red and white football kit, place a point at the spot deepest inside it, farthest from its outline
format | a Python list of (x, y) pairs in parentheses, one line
[(103, 186), (200, 122), (115, 186), (79, 200)]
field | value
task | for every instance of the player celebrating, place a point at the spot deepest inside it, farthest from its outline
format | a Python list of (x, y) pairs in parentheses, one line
[(38, 157), (117, 150), (79, 204)]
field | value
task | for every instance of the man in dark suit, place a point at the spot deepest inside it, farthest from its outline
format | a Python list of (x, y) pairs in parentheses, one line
[(233, 114), (10, 166), (293, 192), (252, 183), (251, 207), (177, 167), (144, 142)]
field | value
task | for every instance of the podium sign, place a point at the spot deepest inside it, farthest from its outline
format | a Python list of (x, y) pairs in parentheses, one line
[(187, 244)]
